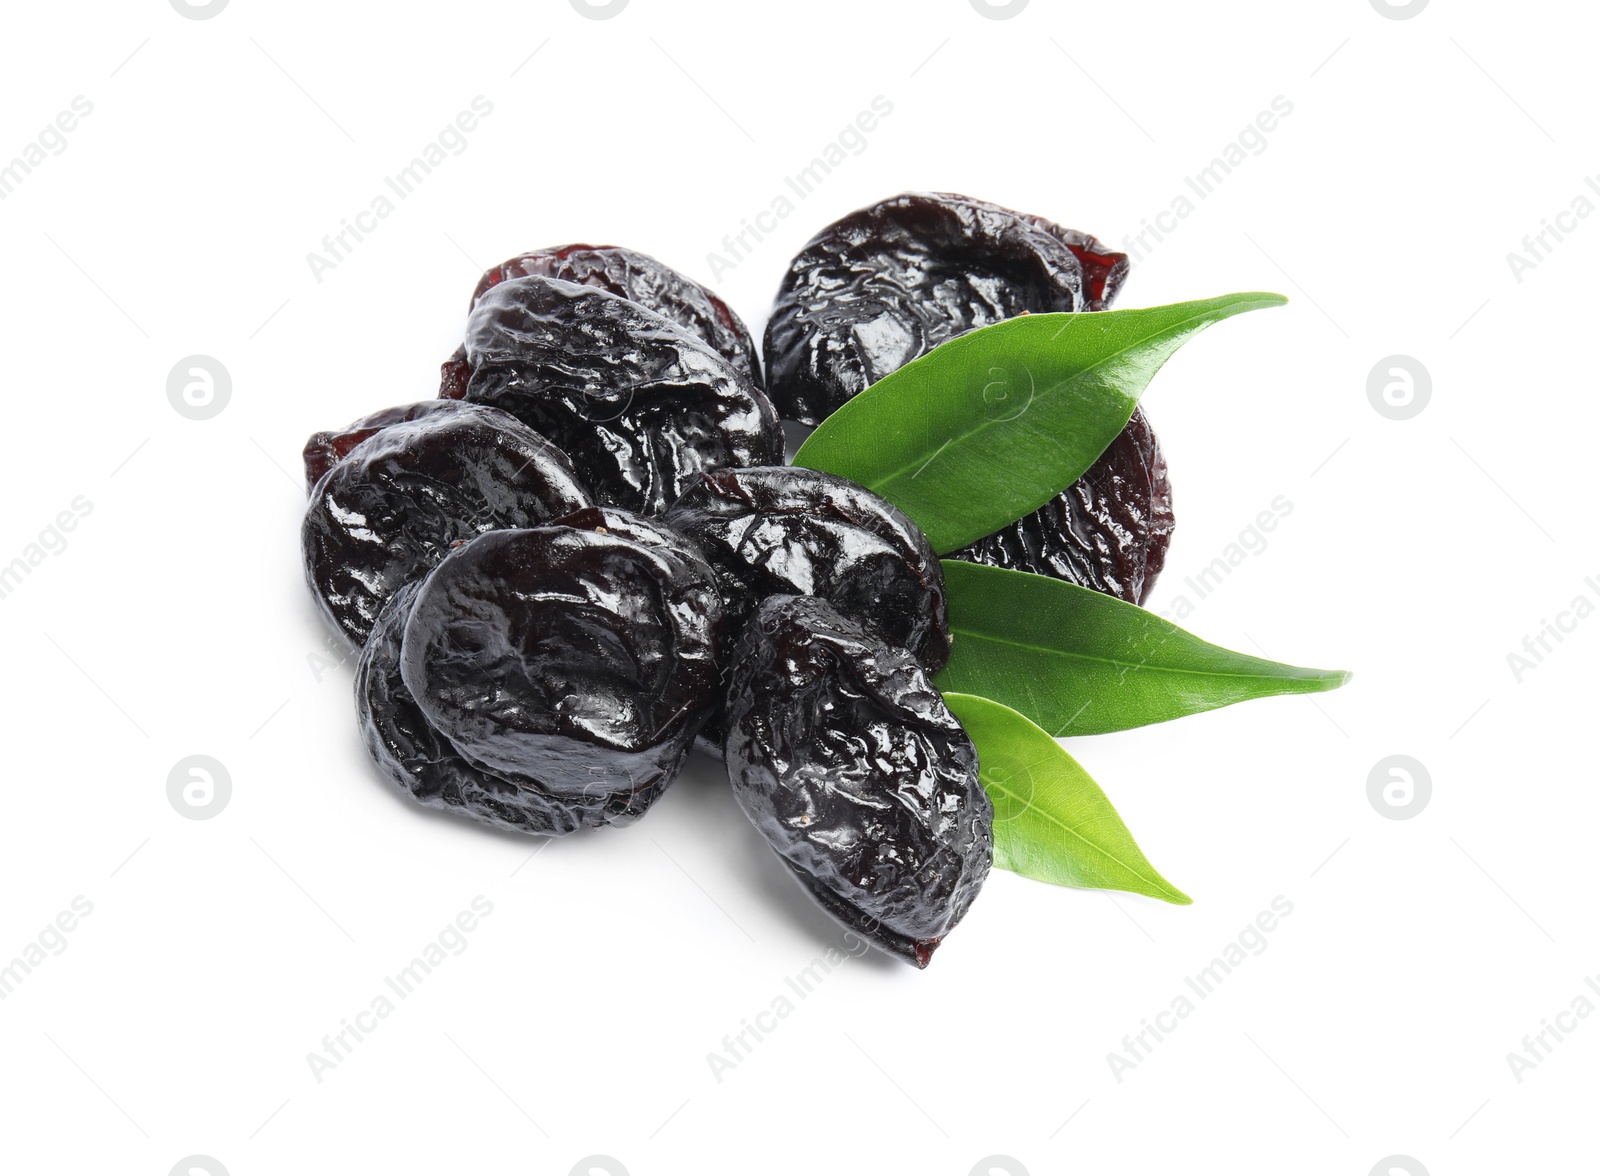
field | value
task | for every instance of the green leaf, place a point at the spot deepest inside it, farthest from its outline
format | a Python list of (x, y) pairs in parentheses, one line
[(988, 427), (1078, 662), (1051, 821)]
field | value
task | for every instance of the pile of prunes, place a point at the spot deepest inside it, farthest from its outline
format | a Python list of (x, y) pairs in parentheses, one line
[(589, 553)]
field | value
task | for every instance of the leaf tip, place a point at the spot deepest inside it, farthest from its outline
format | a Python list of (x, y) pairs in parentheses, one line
[(1322, 681), (1250, 300), (1262, 299)]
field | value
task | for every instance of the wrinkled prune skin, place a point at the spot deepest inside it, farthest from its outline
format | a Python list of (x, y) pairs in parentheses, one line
[(1108, 531), (426, 766), (390, 510), (325, 450), (583, 656), (847, 760), (629, 274), (891, 282), (639, 404), (791, 531)]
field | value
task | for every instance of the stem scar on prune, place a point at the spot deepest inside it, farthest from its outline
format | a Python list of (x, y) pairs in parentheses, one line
[(847, 760), (892, 281), (1108, 531), (426, 766), (629, 274), (583, 656), (639, 403), (389, 511)]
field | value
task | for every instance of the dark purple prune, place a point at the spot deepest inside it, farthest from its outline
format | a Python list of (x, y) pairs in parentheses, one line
[(891, 282), (325, 450), (639, 404), (1108, 531), (627, 274), (390, 510), (640, 278), (847, 760), (426, 766), (584, 655), (791, 531)]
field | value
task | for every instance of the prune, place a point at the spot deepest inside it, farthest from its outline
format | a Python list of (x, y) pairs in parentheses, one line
[(426, 766), (787, 531), (1108, 531), (325, 450), (390, 510), (890, 282), (849, 763), (583, 656), (628, 274), (886, 284), (639, 404)]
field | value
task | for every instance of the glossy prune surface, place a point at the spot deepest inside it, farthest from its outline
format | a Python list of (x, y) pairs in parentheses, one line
[(639, 404), (792, 531), (632, 275), (584, 655), (325, 450), (1108, 531), (847, 760), (426, 766), (390, 510), (892, 281)]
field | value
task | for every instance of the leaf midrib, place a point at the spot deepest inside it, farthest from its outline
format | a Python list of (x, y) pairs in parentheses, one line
[(894, 475), (1321, 675)]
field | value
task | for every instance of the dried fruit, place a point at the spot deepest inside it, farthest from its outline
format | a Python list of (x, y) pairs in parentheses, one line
[(390, 510), (886, 284), (890, 282), (325, 450), (640, 404), (850, 764), (583, 656), (787, 531), (588, 553), (1108, 531), (426, 766), (628, 274)]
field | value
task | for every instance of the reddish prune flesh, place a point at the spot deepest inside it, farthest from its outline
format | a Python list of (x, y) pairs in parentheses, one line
[(584, 655), (390, 510), (629, 274), (639, 404), (325, 450), (423, 764), (1108, 531), (847, 760), (890, 282), (791, 531)]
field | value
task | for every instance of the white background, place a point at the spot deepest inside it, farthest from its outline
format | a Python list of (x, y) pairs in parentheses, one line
[(1419, 553)]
